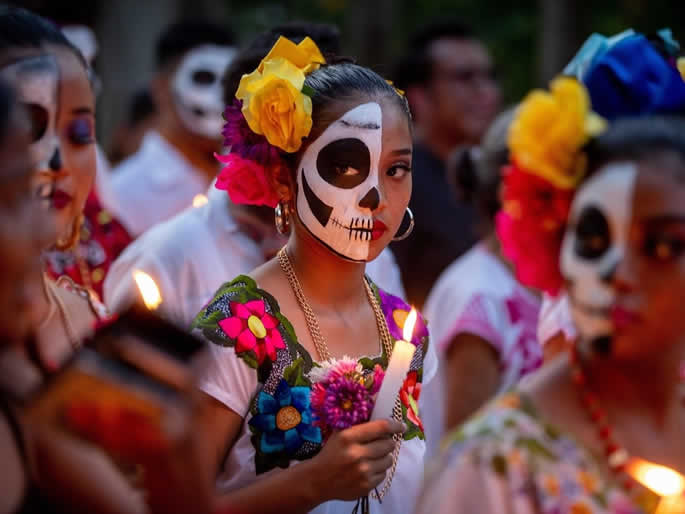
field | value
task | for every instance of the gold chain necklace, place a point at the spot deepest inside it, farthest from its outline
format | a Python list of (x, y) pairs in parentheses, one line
[(325, 355)]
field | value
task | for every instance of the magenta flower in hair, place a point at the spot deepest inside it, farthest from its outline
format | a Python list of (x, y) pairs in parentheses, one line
[(242, 141), (245, 180)]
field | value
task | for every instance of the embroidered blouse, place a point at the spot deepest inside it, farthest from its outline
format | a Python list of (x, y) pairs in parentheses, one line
[(508, 460), (259, 370)]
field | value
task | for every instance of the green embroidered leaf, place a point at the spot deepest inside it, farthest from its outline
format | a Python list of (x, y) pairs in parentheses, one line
[(535, 447), (413, 431), (499, 465), (308, 90), (294, 374), (370, 364), (216, 337), (210, 321), (250, 359)]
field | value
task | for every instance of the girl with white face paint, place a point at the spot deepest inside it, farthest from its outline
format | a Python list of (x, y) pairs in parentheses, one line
[(616, 403), (343, 194)]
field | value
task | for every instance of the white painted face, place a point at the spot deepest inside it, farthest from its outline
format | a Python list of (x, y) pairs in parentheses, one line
[(595, 244), (36, 82), (337, 182), (197, 89)]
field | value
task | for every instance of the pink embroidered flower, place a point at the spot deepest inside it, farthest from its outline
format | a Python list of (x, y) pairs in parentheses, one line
[(409, 395), (254, 329), (245, 180)]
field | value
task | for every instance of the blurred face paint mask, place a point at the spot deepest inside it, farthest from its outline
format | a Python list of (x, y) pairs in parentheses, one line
[(36, 81), (197, 89), (337, 182), (594, 246)]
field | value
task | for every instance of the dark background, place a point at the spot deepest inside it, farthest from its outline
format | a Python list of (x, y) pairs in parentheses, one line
[(531, 39)]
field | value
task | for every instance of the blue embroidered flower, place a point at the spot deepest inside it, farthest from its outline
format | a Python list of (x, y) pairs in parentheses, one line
[(285, 419)]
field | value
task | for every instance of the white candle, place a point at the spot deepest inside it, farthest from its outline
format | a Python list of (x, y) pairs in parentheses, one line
[(398, 367)]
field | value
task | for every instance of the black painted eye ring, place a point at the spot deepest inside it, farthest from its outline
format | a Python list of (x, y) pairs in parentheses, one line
[(340, 155)]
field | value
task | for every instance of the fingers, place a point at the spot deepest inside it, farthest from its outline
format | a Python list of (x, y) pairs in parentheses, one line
[(378, 449), (373, 430), (380, 466)]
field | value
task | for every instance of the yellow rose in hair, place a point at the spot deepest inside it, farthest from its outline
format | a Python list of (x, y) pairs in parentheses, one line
[(305, 55), (549, 130), (274, 105)]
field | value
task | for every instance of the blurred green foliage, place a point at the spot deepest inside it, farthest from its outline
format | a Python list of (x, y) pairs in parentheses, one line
[(512, 29)]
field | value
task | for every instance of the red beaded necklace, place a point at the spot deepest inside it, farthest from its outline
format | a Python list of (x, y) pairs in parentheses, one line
[(617, 456)]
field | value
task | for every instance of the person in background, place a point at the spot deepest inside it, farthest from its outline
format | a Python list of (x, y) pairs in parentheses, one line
[(482, 319), (141, 118), (190, 255), (585, 433), (101, 238), (176, 160), (448, 77)]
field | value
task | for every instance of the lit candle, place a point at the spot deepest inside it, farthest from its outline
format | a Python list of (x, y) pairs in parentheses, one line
[(664, 481), (199, 200), (148, 289), (398, 367)]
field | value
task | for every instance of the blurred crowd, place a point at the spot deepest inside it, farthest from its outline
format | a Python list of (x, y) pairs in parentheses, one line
[(552, 373)]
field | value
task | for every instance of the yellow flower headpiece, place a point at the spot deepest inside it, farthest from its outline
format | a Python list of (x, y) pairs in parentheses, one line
[(549, 130), (274, 104)]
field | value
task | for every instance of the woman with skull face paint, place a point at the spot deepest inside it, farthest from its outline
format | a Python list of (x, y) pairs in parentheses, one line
[(341, 183), (579, 435), (52, 79)]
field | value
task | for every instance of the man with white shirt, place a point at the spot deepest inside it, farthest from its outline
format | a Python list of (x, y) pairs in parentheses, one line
[(175, 162), (192, 255)]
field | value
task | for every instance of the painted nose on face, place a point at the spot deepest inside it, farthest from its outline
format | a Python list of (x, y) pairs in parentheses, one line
[(55, 162), (371, 200)]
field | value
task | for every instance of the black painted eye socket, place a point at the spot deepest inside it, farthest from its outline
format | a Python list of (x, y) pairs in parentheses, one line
[(38, 117), (204, 77), (344, 163), (593, 235)]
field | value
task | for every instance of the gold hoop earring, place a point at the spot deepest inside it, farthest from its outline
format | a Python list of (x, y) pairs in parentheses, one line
[(409, 230), (70, 242), (282, 217)]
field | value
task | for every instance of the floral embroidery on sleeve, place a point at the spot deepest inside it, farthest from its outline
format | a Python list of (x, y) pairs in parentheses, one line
[(248, 319)]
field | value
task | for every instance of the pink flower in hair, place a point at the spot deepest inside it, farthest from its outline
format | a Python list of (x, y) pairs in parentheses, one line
[(245, 180)]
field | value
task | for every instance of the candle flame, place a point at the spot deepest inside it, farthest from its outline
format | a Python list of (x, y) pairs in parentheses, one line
[(148, 289), (660, 479), (200, 200), (408, 331)]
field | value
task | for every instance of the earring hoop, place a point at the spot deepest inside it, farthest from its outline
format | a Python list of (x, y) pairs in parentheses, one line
[(409, 230), (282, 217)]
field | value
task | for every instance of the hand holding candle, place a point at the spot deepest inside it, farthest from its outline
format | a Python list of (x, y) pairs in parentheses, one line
[(398, 367)]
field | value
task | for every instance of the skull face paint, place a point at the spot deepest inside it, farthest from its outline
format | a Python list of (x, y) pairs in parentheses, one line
[(337, 182), (36, 80), (595, 244), (197, 89)]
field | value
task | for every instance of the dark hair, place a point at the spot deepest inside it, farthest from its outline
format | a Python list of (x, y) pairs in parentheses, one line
[(7, 103), (477, 172), (141, 106), (638, 139), (416, 66), (326, 36), (20, 28), (344, 81), (181, 37)]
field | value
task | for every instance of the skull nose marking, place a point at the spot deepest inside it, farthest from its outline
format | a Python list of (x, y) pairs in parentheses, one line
[(371, 200), (55, 162)]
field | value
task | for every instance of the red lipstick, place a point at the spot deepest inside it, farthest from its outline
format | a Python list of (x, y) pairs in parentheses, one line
[(378, 229), (60, 199), (622, 318)]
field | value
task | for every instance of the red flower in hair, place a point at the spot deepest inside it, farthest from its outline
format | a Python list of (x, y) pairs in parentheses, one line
[(531, 228), (245, 180)]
